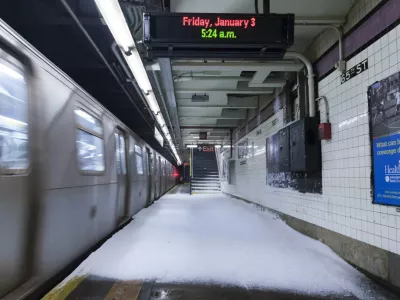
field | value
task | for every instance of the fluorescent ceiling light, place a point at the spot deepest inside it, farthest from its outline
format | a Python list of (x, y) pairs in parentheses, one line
[(191, 146), (137, 68), (112, 14), (217, 146)]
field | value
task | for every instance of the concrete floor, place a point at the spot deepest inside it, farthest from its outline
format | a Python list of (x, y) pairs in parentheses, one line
[(213, 247), (95, 288)]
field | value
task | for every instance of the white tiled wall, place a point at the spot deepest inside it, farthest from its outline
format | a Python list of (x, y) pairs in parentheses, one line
[(329, 36), (345, 205)]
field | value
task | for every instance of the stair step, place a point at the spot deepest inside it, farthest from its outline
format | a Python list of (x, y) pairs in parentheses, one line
[(202, 183), (205, 189)]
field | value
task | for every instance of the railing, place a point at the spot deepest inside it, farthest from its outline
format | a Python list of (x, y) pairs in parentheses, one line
[(191, 170)]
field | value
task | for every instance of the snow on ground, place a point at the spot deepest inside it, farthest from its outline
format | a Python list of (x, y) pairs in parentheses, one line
[(216, 239)]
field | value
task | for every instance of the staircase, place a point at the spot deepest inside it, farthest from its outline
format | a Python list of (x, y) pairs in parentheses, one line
[(205, 178)]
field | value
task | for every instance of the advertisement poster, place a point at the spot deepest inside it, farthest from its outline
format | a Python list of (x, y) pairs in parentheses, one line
[(384, 112), (242, 149)]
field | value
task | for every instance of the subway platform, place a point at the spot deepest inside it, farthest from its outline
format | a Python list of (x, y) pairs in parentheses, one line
[(213, 247)]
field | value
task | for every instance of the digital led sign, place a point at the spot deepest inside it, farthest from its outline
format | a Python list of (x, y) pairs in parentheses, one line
[(215, 31)]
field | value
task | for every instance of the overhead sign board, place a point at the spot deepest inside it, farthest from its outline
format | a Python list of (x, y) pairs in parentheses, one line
[(185, 33)]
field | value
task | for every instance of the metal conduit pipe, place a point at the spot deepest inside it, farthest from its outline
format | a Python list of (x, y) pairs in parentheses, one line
[(339, 31), (165, 107), (117, 53), (326, 106), (310, 77), (78, 23), (80, 26), (115, 49)]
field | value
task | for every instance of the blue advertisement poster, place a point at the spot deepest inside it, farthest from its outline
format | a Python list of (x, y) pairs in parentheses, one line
[(384, 111)]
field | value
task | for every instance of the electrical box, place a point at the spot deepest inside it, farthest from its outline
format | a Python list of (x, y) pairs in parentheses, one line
[(203, 135), (278, 152), (272, 149), (305, 147), (284, 150), (231, 172), (325, 131)]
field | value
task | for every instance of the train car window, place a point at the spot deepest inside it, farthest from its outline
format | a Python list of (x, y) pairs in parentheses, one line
[(139, 160), (138, 150), (120, 154), (84, 120), (89, 142), (14, 156)]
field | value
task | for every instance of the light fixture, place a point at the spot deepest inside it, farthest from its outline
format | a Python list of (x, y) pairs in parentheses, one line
[(139, 72), (217, 146), (191, 146), (112, 14), (115, 20)]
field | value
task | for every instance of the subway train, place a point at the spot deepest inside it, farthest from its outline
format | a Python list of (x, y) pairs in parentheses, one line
[(71, 173)]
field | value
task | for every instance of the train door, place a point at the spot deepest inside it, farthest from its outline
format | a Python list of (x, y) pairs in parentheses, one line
[(149, 177), (16, 173), (122, 175), (159, 177), (164, 177)]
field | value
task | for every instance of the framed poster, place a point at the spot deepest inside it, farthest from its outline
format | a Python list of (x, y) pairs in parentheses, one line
[(243, 149), (384, 114)]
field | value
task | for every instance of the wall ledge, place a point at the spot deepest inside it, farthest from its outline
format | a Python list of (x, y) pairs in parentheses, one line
[(378, 264)]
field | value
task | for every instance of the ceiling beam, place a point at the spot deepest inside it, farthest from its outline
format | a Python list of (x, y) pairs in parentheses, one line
[(213, 117), (241, 91), (66, 21), (212, 126), (210, 78), (218, 106), (237, 66), (331, 20)]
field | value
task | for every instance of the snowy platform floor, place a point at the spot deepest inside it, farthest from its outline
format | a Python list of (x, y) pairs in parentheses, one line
[(212, 245)]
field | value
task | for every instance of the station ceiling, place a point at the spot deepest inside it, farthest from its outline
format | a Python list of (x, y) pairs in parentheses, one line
[(48, 26), (232, 89)]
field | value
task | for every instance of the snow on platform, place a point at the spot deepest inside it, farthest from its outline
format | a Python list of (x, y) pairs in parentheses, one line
[(220, 240)]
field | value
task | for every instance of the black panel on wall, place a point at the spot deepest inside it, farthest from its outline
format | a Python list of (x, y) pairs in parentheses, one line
[(272, 144), (294, 157), (305, 147), (284, 150)]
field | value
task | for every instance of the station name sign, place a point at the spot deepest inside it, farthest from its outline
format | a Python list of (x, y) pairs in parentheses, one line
[(175, 29)]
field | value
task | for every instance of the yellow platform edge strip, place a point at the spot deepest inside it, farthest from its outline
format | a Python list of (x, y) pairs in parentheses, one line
[(62, 292), (125, 290)]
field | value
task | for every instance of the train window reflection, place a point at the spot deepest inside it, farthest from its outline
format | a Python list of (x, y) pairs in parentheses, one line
[(13, 119), (83, 119), (139, 164), (90, 151), (138, 150), (139, 160), (120, 154)]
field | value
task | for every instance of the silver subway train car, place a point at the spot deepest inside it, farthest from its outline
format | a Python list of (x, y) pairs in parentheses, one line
[(70, 172)]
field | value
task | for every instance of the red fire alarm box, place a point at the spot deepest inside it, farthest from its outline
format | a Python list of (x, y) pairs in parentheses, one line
[(325, 131)]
